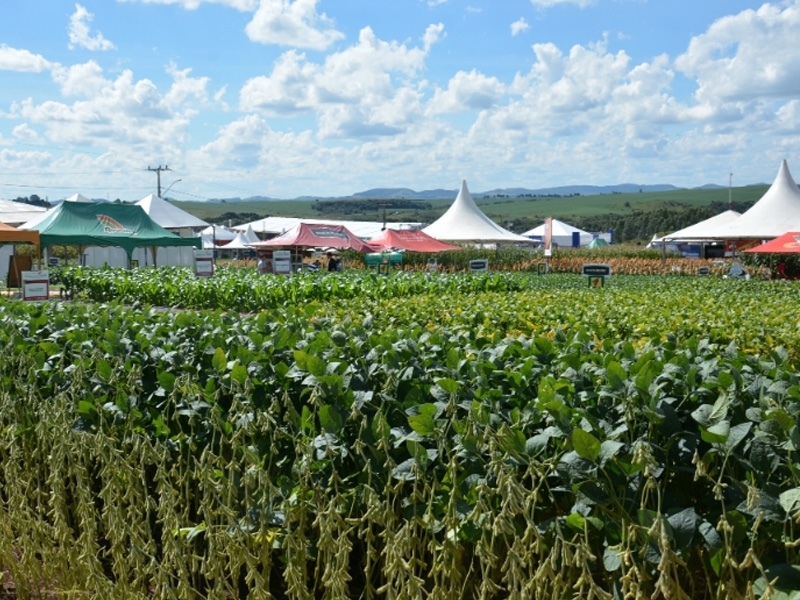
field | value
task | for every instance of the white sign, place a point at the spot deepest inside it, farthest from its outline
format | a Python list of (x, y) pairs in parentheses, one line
[(479, 264), (35, 285), (282, 262), (432, 266), (204, 263)]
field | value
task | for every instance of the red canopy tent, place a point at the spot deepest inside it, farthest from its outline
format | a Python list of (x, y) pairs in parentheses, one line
[(788, 243), (317, 236), (406, 239)]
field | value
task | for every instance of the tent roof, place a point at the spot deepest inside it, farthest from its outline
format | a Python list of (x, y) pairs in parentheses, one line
[(559, 228), (218, 232), (77, 198), (701, 230), (362, 229), (240, 242), (788, 243), (416, 241), (317, 235), (16, 213), (168, 215), (123, 225), (465, 222), (12, 235), (776, 212), (597, 243)]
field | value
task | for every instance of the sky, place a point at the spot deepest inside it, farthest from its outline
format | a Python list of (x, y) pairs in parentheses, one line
[(322, 98)]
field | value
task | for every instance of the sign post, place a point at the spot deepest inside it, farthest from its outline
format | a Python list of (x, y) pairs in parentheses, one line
[(479, 264), (282, 262), (203, 263), (35, 285), (596, 273)]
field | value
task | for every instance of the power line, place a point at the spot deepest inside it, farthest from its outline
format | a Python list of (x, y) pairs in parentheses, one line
[(158, 170)]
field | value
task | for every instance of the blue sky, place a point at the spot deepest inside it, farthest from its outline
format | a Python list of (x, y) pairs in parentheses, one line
[(289, 98)]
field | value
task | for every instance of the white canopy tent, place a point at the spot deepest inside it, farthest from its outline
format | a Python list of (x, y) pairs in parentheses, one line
[(699, 231), (17, 213), (465, 222), (168, 215), (775, 213), (565, 234), (77, 198), (214, 234), (243, 240)]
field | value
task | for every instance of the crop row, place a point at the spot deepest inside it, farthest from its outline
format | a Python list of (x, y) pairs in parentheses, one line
[(553, 441)]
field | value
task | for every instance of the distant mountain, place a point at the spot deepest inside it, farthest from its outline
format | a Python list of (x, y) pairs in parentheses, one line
[(437, 194)]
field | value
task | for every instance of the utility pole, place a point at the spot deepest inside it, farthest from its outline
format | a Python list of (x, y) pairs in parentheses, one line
[(158, 170), (730, 191), (384, 205)]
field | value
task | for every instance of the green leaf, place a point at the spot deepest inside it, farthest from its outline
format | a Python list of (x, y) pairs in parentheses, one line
[(716, 434), (239, 373), (616, 375), (513, 440), (448, 385), (612, 559), (330, 419), (684, 524), (166, 380), (576, 521), (585, 444), (219, 361), (104, 370), (424, 423), (790, 501)]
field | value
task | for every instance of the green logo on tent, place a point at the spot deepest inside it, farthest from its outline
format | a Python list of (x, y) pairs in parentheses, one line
[(113, 226)]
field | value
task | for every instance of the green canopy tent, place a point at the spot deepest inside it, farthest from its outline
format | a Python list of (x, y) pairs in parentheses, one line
[(124, 225), (597, 243)]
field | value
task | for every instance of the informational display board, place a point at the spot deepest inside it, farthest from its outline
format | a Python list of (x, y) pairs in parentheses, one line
[(282, 262), (35, 285), (542, 268), (703, 271), (433, 266), (479, 264), (204, 263), (597, 270)]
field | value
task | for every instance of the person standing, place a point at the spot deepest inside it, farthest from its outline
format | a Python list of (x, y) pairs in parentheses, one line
[(333, 263)]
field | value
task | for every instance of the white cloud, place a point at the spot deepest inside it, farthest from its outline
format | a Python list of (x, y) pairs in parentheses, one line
[(123, 115), (753, 54), (79, 32), (242, 5), (292, 23), (23, 131), (367, 89), (13, 59), (467, 91), (184, 87), (83, 80), (550, 3), (519, 26)]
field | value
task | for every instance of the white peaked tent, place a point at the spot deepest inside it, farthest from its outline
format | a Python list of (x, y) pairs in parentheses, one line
[(776, 212), (243, 240), (465, 222), (168, 215), (77, 198), (699, 231), (563, 234), (214, 234)]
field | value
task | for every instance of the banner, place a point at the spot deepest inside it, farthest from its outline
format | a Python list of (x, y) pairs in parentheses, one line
[(548, 236)]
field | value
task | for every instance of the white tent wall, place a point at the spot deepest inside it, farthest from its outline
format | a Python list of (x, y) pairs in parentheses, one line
[(113, 256)]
